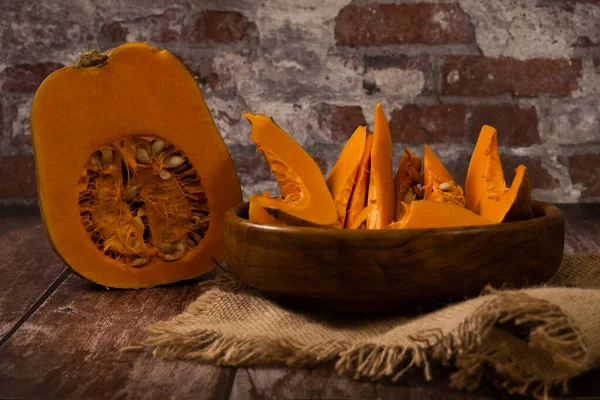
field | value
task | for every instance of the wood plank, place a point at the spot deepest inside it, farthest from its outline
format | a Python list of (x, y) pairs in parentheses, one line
[(582, 234), (70, 348), (28, 266), (582, 228), (321, 383)]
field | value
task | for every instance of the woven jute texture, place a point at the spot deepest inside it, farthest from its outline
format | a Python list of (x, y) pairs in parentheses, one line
[(530, 340)]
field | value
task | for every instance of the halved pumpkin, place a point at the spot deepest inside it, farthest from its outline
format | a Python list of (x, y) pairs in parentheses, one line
[(133, 175), (381, 181), (303, 191), (259, 215), (358, 199), (434, 214), (342, 177), (487, 194), (408, 177), (438, 184)]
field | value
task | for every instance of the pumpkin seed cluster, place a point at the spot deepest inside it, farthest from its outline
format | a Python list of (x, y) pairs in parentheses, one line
[(140, 198)]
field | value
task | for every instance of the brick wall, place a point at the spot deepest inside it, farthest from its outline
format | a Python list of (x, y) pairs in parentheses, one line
[(440, 69)]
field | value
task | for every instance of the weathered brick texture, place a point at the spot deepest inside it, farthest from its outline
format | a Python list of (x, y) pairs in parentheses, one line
[(441, 70)]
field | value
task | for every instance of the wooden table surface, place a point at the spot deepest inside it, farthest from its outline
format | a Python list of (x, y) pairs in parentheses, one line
[(60, 335)]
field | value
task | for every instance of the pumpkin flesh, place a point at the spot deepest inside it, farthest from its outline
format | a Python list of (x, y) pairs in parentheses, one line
[(486, 190), (259, 215), (116, 213), (435, 214), (438, 184), (358, 199), (381, 195), (342, 178), (303, 190)]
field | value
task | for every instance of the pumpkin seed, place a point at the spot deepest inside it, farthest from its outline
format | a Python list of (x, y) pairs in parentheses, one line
[(95, 160), (167, 248), (142, 155), (446, 187), (174, 161), (134, 191), (414, 174), (178, 253), (416, 163), (164, 174), (418, 191), (157, 146), (408, 196), (107, 156), (140, 261)]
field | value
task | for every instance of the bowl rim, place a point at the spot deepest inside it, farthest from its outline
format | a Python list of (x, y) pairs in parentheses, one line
[(548, 213)]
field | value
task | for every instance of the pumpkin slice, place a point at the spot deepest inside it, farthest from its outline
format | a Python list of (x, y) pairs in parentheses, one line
[(360, 218), (438, 184), (408, 177), (259, 215), (487, 194), (381, 182), (133, 175), (435, 214), (303, 191), (342, 177), (358, 199)]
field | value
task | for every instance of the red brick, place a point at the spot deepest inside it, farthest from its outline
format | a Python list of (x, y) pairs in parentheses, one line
[(385, 24), (483, 76), (17, 177), (585, 170), (115, 31), (26, 77), (539, 177), (342, 121), (219, 27), (441, 123), (516, 126)]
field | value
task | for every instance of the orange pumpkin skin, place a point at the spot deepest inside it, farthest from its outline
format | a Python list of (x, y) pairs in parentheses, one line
[(381, 181), (138, 91), (486, 191), (358, 199), (304, 192)]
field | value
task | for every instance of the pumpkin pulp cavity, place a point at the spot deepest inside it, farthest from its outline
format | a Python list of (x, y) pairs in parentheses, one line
[(358, 199), (342, 178), (381, 183), (303, 191), (487, 194), (438, 184), (407, 181), (141, 198)]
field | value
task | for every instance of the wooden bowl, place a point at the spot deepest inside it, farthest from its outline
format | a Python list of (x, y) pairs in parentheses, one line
[(384, 270)]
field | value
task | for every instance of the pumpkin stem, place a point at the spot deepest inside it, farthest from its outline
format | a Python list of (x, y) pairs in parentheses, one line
[(91, 59)]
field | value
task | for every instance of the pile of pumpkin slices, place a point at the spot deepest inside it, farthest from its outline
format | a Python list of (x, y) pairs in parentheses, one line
[(361, 191)]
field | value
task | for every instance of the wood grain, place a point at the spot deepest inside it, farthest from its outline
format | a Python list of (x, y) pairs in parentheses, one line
[(28, 266), (70, 348), (382, 270), (279, 383)]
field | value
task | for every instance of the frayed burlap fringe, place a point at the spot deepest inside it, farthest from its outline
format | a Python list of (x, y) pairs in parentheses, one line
[(482, 342)]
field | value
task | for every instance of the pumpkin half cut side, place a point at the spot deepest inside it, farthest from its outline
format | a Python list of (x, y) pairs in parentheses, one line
[(131, 198), (303, 191), (486, 190)]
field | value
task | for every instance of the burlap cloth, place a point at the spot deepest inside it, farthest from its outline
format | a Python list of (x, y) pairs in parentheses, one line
[(530, 340)]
